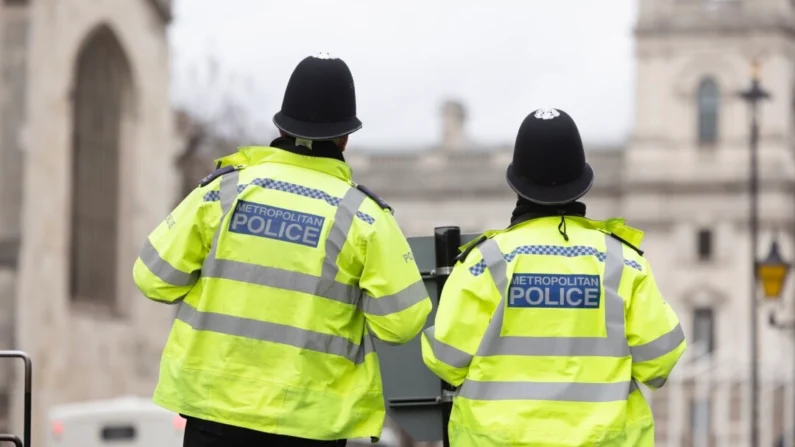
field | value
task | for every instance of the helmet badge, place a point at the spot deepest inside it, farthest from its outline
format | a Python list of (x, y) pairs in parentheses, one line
[(324, 55), (547, 114)]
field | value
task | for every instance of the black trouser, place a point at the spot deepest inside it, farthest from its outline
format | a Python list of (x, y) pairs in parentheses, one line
[(201, 433)]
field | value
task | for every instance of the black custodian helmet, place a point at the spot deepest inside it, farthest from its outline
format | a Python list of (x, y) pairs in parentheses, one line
[(549, 166), (320, 100)]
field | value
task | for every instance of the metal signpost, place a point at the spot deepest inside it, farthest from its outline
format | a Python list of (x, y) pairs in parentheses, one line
[(415, 398), (28, 401), (11, 438)]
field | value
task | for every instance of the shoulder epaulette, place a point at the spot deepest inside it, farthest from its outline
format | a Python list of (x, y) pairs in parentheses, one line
[(638, 250), (463, 255), (375, 197), (217, 173)]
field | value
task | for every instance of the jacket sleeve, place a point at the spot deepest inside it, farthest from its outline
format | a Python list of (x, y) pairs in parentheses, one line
[(395, 302), (465, 308), (656, 340), (170, 261)]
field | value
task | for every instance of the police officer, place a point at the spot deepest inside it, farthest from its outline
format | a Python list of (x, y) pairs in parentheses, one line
[(283, 269), (548, 326)]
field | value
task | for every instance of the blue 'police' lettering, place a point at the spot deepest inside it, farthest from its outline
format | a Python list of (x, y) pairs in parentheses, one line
[(555, 291), (256, 219)]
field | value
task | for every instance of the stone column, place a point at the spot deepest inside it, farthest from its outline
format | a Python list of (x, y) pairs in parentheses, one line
[(14, 28)]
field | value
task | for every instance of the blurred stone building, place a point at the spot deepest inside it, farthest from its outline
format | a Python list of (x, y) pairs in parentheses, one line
[(86, 150)]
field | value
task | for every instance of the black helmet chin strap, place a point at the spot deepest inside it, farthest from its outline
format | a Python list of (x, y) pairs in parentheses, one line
[(562, 226), (319, 148), (526, 210)]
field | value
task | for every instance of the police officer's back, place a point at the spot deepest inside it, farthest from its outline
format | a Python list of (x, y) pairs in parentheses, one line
[(283, 269), (548, 326)]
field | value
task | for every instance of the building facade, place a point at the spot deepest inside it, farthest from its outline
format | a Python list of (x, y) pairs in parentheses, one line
[(85, 153)]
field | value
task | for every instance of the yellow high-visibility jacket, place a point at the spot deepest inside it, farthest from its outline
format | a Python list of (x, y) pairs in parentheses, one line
[(547, 340), (283, 269)]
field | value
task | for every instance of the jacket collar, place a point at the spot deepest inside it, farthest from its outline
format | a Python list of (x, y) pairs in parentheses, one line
[(291, 155), (525, 211), (323, 149), (615, 226)]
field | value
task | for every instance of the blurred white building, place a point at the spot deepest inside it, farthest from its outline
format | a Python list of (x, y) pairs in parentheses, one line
[(85, 138), (683, 178)]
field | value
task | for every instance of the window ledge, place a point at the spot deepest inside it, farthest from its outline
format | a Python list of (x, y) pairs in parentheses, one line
[(95, 310), (713, 263)]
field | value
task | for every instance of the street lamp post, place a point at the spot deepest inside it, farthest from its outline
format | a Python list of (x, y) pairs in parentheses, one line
[(753, 96)]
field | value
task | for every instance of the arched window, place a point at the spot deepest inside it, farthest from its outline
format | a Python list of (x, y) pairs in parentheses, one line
[(102, 84), (708, 111), (703, 334), (704, 244)]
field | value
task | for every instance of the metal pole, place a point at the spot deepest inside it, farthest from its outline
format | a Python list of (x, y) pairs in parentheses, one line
[(754, 226), (753, 96), (11, 438), (28, 390), (789, 433), (446, 241)]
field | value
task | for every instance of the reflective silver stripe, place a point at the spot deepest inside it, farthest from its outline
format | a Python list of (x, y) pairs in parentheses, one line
[(614, 304), (613, 345), (282, 279), (552, 391), (659, 346), (556, 346), (633, 386), (446, 353), (658, 382), (390, 304), (228, 190), (163, 270), (228, 193), (496, 264), (343, 219), (498, 268), (275, 333)]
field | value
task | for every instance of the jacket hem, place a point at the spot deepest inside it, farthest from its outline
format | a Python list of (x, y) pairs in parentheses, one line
[(280, 430)]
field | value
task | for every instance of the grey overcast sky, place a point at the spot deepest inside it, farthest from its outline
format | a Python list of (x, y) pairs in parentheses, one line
[(502, 59)]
